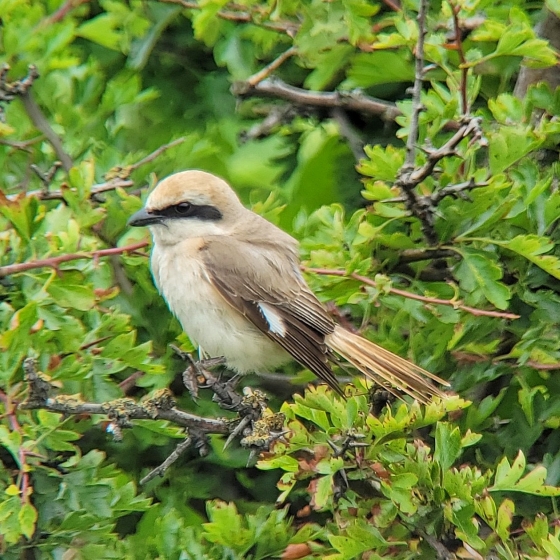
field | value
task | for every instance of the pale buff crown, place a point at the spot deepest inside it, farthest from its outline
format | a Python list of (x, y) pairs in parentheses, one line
[(196, 187)]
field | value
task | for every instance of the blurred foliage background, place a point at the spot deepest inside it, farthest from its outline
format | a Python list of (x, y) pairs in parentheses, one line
[(304, 107)]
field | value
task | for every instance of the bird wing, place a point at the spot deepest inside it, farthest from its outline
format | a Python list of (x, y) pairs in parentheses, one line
[(266, 286)]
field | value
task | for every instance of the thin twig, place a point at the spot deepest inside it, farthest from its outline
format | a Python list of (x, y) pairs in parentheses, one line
[(455, 9), (456, 304), (125, 171), (261, 75), (354, 101), (471, 127), (355, 141), (417, 106), (54, 262), (176, 454), (62, 12), (255, 17), (23, 145)]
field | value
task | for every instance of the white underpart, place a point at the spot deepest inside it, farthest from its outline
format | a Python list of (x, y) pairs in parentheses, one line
[(273, 319), (206, 317)]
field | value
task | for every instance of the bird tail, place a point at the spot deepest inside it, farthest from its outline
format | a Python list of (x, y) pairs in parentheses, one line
[(383, 367)]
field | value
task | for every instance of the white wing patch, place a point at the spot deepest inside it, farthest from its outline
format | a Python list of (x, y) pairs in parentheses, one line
[(273, 319)]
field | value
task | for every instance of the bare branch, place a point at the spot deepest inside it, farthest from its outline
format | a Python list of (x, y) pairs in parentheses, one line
[(354, 100), (404, 180), (456, 304), (456, 191), (23, 145), (417, 106), (54, 262)]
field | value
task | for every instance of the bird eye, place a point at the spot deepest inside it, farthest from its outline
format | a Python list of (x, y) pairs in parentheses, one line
[(183, 208)]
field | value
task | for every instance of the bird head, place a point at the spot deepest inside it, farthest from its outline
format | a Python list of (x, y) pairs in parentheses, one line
[(187, 205)]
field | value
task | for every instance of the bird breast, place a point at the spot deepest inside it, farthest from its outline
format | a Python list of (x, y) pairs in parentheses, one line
[(209, 321)]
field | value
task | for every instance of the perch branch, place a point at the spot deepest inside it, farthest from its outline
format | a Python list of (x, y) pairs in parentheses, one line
[(257, 429), (54, 262), (456, 304)]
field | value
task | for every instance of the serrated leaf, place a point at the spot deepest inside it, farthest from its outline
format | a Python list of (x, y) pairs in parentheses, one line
[(506, 474), (532, 248), (478, 270), (448, 445), (505, 517)]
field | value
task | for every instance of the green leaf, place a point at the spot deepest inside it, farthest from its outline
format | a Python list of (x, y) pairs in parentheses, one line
[(102, 30), (448, 445), (72, 295), (506, 474), (379, 67), (27, 517), (509, 144), (508, 478), (532, 248), (505, 518), (323, 492), (479, 271)]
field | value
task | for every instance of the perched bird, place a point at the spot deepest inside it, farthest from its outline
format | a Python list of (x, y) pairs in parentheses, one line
[(233, 280)]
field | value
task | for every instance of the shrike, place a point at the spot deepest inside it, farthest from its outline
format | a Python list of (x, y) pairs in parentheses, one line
[(233, 281)]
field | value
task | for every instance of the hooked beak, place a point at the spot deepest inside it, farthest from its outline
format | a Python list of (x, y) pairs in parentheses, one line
[(144, 218)]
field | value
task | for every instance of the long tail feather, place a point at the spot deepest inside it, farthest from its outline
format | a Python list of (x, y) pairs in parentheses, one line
[(384, 367)]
